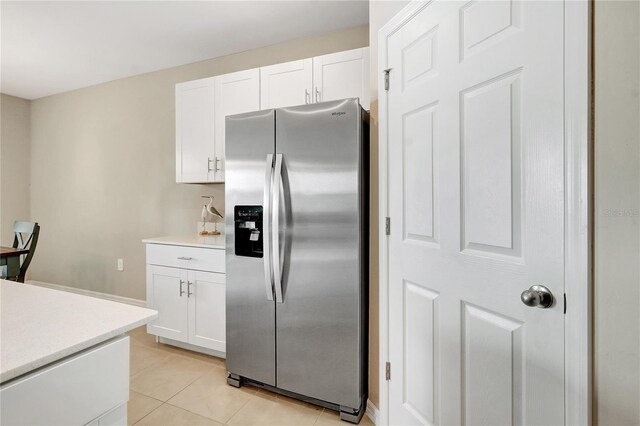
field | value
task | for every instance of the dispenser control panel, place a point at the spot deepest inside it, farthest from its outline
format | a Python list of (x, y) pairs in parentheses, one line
[(248, 230)]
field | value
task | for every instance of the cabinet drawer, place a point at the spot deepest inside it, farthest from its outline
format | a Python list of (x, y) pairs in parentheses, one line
[(200, 259)]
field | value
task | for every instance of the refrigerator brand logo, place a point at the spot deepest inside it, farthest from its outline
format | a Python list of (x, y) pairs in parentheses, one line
[(338, 114)]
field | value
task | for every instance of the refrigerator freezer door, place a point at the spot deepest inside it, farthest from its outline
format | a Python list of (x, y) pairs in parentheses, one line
[(319, 323), (250, 315)]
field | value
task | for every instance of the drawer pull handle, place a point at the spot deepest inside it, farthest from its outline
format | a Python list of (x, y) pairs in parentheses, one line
[(181, 290), (184, 258), (189, 292)]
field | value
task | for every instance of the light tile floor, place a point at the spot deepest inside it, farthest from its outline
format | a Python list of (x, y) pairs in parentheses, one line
[(172, 386)]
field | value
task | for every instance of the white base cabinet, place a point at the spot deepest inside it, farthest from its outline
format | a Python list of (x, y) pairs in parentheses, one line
[(190, 302), (91, 387), (206, 310)]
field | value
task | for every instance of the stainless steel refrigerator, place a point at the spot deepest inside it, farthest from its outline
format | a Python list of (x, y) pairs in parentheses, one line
[(297, 252)]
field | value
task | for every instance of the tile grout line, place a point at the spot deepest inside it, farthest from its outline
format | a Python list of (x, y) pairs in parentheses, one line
[(253, 395), (207, 417), (320, 414), (189, 384), (140, 419)]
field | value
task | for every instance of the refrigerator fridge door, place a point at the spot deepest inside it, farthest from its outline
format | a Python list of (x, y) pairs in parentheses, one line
[(250, 303), (320, 320)]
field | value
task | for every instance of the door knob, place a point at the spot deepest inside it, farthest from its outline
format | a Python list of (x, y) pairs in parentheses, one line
[(537, 296)]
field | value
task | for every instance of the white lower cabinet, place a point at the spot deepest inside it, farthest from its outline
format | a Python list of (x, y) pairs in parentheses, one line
[(90, 387), (190, 303), (166, 294), (206, 310)]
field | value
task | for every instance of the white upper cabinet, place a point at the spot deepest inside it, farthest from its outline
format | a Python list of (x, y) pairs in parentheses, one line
[(342, 75), (287, 84), (236, 93), (195, 137), (202, 105)]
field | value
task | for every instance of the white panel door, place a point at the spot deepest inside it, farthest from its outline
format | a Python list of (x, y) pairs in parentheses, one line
[(167, 294), (476, 200), (342, 75), (287, 84), (195, 138), (207, 324), (236, 93)]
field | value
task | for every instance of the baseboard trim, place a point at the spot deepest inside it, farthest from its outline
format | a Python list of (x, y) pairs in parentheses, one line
[(372, 412), (112, 297), (191, 347)]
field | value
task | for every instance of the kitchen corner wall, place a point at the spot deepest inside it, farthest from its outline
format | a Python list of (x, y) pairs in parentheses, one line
[(617, 213), (103, 168), (14, 164), (380, 12)]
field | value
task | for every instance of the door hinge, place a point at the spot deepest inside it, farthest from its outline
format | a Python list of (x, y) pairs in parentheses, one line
[(387, 371), (565, 303), (387, 225), (386, 78)]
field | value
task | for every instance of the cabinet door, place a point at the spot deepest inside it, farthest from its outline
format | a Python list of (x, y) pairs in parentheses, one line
[(167, 294), (195, 138), (287, 84), (236, 93), (342, 75), (207, 310)]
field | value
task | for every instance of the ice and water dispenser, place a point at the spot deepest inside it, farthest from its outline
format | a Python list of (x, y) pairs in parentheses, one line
[(248, 230)]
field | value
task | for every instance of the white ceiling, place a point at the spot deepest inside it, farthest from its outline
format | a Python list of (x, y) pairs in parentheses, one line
[(50, 47)]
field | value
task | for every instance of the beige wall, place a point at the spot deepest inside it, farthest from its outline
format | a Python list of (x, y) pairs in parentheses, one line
[(103, 168), (617, 212), (380, 12), (14, 164)]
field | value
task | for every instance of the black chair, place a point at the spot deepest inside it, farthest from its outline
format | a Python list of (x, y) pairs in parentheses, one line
[(25, 236)]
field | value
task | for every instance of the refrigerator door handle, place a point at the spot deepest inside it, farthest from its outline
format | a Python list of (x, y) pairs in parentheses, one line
[(275, 229), (266, 234)]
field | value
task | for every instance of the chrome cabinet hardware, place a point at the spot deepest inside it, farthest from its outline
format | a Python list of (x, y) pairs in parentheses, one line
[(307, 97), (217, 164), (537, 296), (189, 292), (181, 290), (209, 164), (184, 258), (318, 97)]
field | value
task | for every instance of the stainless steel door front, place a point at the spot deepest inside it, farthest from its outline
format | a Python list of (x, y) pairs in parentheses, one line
[(250, 315), (320, 342)]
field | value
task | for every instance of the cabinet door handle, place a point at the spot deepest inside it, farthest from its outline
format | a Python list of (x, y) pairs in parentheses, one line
[(181, 290), (307, 97), (318, 97), (217, 164), (189, 284), (184, 258), (209, 164)]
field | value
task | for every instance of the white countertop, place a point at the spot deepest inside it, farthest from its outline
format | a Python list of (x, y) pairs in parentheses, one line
[(39, 325), (195, 240)]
